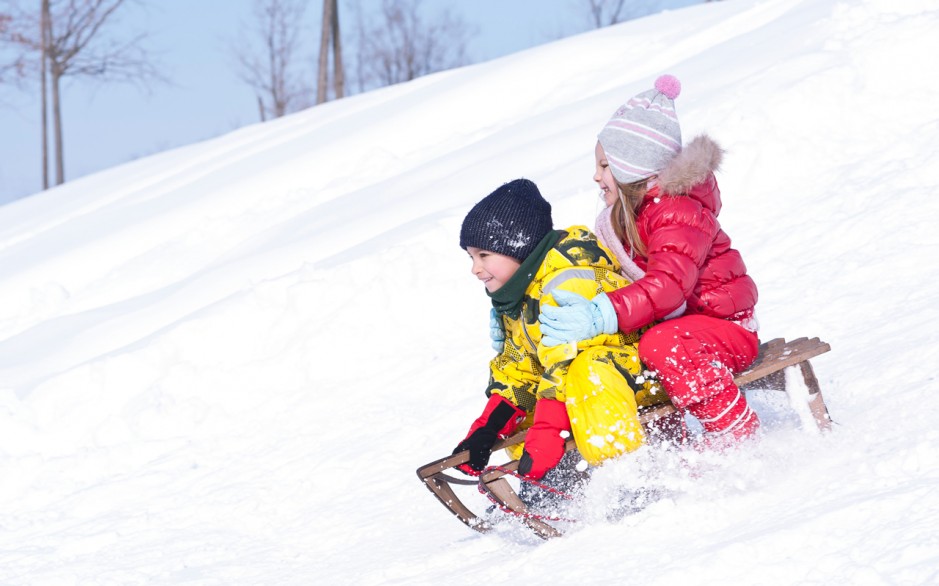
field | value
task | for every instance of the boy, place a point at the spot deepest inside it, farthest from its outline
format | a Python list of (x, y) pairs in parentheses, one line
[(591, 388)]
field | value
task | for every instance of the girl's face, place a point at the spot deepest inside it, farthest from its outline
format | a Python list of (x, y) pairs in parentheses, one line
[(604, 177), (492, 268)]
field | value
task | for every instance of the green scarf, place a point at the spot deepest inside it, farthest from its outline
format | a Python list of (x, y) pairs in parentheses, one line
[(507, 299)]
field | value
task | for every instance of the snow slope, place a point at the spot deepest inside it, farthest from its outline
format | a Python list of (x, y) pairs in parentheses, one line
[(222, 364)]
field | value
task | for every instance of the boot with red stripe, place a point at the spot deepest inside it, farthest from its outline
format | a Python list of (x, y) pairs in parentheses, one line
[(726, 417)]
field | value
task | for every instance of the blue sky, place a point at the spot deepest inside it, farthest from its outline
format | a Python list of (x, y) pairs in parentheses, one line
[(106, 125)]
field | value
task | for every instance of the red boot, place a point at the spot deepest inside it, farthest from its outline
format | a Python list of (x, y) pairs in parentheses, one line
[(726, 416)]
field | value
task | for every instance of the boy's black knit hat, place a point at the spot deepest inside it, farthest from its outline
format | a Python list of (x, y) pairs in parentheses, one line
[(511, 220)]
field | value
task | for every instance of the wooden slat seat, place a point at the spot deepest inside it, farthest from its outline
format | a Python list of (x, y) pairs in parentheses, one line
[(768, 372)]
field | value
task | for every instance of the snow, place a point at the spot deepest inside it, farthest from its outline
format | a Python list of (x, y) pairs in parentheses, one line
[(223, 363)]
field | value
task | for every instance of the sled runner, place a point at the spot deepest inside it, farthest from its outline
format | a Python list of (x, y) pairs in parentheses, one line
[(768, 371)]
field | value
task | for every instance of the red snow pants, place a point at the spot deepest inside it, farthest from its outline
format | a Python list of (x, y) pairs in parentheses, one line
[(696, 357)]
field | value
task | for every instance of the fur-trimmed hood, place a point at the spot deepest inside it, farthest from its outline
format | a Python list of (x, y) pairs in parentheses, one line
[(696, 161)]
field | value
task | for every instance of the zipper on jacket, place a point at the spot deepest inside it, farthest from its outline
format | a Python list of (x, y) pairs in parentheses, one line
[(521, 322)]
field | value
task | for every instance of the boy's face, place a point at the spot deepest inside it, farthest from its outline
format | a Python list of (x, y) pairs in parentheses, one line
[(492, 268)]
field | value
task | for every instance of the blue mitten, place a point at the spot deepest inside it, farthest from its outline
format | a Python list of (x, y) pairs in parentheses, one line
[(576, 318), (496, 333)]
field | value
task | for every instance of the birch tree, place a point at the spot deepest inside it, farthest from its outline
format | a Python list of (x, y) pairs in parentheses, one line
[(5, 67), (266, 54), (12, 58), (77, 38), (603, 13), (330, 38), (404, 43)]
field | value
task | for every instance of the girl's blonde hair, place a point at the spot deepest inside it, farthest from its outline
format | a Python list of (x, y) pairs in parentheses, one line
[(623, 214)]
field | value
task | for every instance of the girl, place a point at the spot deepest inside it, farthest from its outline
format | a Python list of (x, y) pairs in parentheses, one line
[(661, 222)]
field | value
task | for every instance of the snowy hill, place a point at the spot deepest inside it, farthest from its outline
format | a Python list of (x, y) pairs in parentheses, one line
[(223, 363)]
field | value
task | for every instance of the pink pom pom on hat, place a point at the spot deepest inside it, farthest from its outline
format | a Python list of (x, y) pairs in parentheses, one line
[(643, 135), (668, 85)]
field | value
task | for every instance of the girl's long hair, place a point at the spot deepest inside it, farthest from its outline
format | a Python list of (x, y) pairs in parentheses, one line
[(624, 212)]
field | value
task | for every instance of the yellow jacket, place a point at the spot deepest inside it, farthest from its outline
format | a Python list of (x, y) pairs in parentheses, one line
[(525, 370)]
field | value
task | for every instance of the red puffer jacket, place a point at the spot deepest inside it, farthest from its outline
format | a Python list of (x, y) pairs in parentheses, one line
[(688, 255)]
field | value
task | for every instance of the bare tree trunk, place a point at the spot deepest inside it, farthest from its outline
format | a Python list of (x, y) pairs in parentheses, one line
[(71, 42), (403, 45), (339, 75), (323, 74), (44, 56), (265, 55), (277, 97), (600, 16), (55, 75)]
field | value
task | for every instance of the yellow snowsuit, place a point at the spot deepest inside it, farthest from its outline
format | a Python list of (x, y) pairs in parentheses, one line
[(599, 380)]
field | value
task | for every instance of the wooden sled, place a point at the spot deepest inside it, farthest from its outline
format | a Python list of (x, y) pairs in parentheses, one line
[(768, 371)]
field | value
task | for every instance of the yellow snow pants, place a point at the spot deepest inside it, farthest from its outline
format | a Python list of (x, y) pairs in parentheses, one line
[(604, 391)]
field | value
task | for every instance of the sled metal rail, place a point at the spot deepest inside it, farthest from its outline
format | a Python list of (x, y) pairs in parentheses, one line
[(767, 371), (434, 476)]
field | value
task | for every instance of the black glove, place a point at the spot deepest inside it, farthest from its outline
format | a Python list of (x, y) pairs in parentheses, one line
[(499, 420)]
